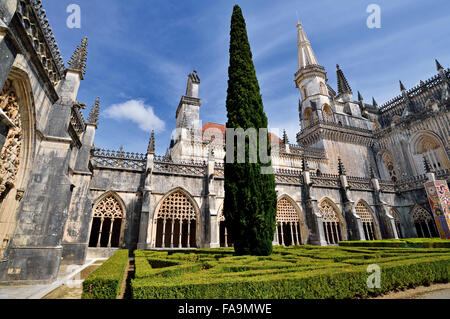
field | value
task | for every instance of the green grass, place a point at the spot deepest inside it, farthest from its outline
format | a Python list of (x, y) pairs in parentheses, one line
[(290, 272), (106, 281)]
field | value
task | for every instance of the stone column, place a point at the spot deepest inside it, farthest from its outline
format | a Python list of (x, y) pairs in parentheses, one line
[(214, 238), (146, 222), (385, 220)]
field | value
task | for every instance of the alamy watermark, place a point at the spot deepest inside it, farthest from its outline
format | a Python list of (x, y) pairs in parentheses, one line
[(374, 19), (74, 19), (374, 279)]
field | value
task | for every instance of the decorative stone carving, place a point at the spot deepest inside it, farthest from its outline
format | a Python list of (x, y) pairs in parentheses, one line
[(10, 154)]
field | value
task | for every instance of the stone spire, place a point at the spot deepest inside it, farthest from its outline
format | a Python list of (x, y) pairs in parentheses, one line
[(343, 86), (341, 168), (438, 65), (285, 137), (306, 55), (151, 144), (360, 98), (402, 87), (93, 115), (374, 103), (426, 165), (78, 60)]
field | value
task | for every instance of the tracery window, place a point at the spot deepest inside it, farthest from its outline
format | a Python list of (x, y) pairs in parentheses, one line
[(288, 224), (304, 92), (308, 117), (424, 223), (106, 223), (397, 221), (327, 113), (331, 222), (176, 222), (367, 220), (389, 166), (323, 89), (429, 147)]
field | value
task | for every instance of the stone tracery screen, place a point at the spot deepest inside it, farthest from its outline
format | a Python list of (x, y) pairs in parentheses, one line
[(367, 220), (176, 222), (424, 223), (106, 223), (288, 223), (331, 222)]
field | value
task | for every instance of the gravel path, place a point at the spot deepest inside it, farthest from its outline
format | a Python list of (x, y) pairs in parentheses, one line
[(435, 291)]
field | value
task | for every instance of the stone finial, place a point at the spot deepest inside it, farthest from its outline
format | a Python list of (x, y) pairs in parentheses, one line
[(285, 137), (93, 115), (402, 87), (151, 144), (305, 166), (167, 155), (426, 165), (343, 86), (438, 65), (78, 60), (360, 98), (374, 103), (341, 168)]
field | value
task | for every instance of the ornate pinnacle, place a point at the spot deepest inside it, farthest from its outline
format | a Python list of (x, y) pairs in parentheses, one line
[(78, 60), (343, 86), (402, 87), (285, 137), (341, 168), (305, 166), (151, 144), (93, 115), (371, 172), (374, 103), (426, 165), (360, 98), (438, 65)]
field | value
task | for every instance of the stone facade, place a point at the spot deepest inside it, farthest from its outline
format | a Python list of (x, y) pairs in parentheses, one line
[(356, 171)]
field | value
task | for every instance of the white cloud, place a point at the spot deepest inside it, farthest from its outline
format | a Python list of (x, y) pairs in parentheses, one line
[(138, 112)]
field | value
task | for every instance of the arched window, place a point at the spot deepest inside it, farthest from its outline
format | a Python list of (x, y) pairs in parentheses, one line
[(429, 146), (327, 113), (224, 237), (308, 117), (389, 166), (424, 223), (323, 89), (106, 223), (176, 222), (331, 222), (366, 219), (304, 93), (397, 221), (288, 223)]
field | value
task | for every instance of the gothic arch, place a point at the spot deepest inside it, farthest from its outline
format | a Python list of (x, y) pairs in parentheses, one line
[(291, 226), (307, 117), (108, 221), (323, 89), (333, 222), (327, 113), (388, 168), (176, 220), (429, 145), (397, 220), (17, 152), (424, 222), (368, 219)]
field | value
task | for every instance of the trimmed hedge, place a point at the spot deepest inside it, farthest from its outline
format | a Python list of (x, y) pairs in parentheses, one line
[(106, 281), (290, 272), (401, 243), (334, 283)]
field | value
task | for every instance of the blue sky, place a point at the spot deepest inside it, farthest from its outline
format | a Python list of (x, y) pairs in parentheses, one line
[(141, 51)]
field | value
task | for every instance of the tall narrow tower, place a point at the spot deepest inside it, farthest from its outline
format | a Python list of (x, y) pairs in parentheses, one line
[(311, 80)]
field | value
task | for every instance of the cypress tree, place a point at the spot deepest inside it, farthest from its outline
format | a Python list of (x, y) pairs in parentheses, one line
[(250, 197)]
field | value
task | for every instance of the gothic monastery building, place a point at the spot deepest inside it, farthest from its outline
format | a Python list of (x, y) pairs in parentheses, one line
[(356, 170)]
